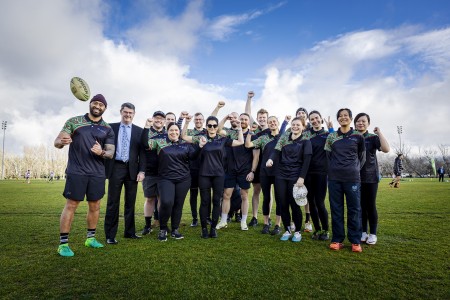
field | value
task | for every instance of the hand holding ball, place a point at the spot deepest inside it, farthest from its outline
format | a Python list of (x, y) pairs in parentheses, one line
[(80, 89)]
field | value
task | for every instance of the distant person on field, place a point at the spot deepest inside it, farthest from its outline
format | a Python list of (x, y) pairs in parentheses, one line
[(90, 140), (27, 176), (441, 173), (51, 177), (398, 168)]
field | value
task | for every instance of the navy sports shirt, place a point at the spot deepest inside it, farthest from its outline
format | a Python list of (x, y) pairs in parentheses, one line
[(346, 154), (84, 133), (173, 158), (318, 163), (294, 157), (151, 156), (370, 172), (212, 156)]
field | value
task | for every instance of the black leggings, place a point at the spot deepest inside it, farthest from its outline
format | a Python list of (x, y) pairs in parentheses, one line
[(369, 212), (172, 195), (317, 190), (283, 191), (266, 183), (206, 183)]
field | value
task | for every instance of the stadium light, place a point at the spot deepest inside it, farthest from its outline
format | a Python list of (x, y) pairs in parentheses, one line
[(4, 123), (400, 131)]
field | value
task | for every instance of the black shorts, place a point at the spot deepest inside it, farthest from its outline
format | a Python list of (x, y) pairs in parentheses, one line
[(240, 180), (150, 186), (79, 186), (194, 178)]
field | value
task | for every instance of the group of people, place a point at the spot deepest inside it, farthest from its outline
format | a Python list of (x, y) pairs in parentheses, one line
[(214, 161)]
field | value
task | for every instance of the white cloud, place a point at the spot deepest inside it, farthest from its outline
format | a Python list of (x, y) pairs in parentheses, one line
[(399, 77)]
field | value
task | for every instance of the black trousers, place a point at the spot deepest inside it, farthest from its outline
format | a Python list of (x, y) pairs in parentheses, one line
[(317, 190), (369, 212), (441, 177), (266, 183), (120, 178), (283, 190), (193, 193), (172, 195), (206, 183)]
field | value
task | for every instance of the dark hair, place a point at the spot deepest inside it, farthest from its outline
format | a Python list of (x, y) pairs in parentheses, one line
[(400, 154), (359, 116), (127, 105), (315, 112), (212, 118), (171, 124), (245, 114), (171, 113), (301, 109), (341, 110)]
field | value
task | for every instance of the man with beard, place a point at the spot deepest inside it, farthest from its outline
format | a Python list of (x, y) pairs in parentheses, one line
[(239, 169), (150, 183), (91, 140)]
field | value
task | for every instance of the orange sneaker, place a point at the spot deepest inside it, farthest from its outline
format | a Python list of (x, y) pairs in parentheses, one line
[(336, 246), (356, 248)]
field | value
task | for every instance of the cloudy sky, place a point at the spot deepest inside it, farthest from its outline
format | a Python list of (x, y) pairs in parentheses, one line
[(390, 59)]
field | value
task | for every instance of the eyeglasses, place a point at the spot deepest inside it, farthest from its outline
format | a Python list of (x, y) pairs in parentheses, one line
[(212, 125)]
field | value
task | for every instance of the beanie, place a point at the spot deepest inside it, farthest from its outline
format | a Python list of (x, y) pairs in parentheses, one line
[(99, 98)]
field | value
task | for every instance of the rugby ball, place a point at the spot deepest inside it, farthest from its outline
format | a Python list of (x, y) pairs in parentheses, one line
[(80, 89)]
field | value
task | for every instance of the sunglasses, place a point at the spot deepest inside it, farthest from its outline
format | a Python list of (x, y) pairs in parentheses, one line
[(212, 125)]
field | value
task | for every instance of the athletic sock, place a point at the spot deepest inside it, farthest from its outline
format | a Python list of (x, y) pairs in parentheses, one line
[(244, 218), (224, 217), (63, 238), (91, 233), (308, 217), (148, 222)]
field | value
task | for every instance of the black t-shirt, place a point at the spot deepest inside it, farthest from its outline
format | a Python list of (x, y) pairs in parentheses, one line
[(151, 156), (318, 163), (212, 156), (195, 164), (346, 154), (267, 143), (370, 172), (294, 156), (84, 133), (173, 158), (239, 159)]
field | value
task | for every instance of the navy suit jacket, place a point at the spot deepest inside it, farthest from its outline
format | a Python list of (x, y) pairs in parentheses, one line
[(136, 160)]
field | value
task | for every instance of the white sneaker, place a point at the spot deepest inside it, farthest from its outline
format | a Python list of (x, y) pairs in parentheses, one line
[(364, 237), (308, 227), (244, 225), (372, 239), (286, 236), (292, 227), (297, 237), (222, 225)]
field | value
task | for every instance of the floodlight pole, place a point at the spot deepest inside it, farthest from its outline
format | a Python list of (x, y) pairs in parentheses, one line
[(4, 123), (400, 131)]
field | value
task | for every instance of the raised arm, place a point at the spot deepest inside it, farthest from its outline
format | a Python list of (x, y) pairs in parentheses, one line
[(218, 107), (383, 142), (222, 124), (240, 140), (184, 135), (248, 105), (248, 141)]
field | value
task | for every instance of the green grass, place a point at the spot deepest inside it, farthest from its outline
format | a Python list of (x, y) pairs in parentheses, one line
[(410, 261)]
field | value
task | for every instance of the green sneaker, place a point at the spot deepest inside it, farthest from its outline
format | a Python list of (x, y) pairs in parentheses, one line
[(92, 243), (64, 250)]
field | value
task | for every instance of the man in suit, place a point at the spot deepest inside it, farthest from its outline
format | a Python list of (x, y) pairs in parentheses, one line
[(126, 169)]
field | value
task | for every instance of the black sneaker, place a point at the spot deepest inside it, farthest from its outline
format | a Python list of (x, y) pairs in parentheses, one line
[(213, 233), (276, 230), (253, 222), (146, 230), (315, 235), (205, 234), (194, 223), (265, 229), (228, 219), (324, 235), (176, 235), (238, 217), (162, 236)]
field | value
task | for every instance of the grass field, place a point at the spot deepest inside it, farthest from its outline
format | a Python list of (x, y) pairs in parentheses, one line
[(410, 261)]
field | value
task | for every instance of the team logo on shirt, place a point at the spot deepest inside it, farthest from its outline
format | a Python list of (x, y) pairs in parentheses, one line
[(355, 188)]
